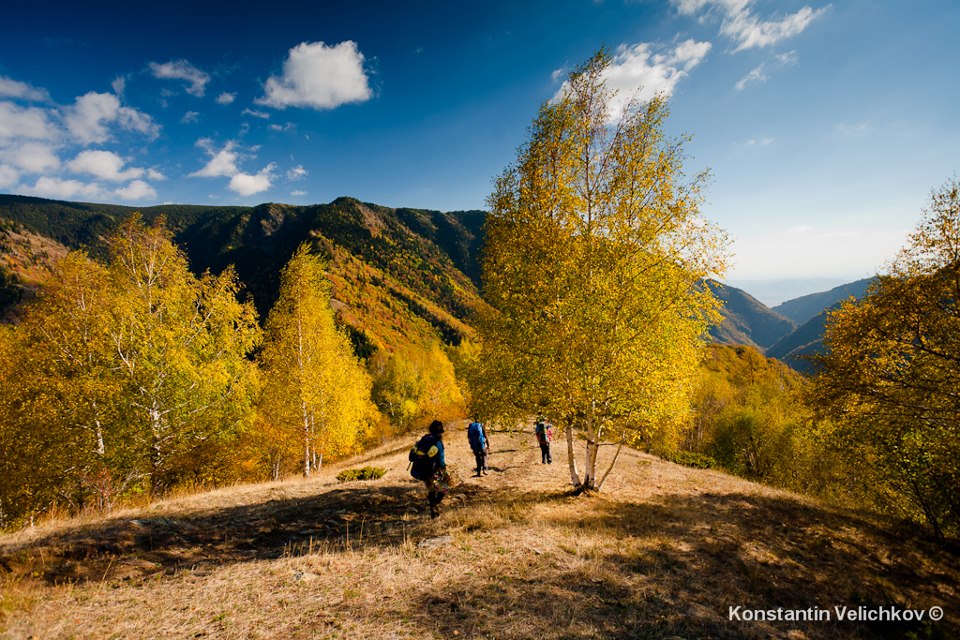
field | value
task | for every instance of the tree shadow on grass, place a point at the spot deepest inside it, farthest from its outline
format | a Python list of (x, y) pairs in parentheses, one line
[(675, 568), (352, 516)]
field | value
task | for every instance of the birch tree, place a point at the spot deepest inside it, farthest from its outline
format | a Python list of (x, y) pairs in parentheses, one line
[(890, 380), (315, 390), (594, 253), (181, 347)]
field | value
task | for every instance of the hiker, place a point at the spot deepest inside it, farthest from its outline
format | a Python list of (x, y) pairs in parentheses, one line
[(480, 445), (544, 431), (430, 467)]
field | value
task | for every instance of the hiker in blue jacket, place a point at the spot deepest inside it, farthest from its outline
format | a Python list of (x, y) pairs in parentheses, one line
[(480, 444)]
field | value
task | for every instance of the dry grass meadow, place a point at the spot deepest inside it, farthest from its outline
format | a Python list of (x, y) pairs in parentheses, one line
[(662, 553)]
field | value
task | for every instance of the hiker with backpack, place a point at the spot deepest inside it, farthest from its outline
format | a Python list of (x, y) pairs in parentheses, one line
[(544, 432), (430, 467), (479, 444)]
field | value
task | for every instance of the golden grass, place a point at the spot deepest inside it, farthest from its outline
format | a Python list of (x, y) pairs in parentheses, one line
[(663, 553)]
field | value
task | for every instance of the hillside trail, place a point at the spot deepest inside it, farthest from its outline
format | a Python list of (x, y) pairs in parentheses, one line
[(272, 520), (663, 551)]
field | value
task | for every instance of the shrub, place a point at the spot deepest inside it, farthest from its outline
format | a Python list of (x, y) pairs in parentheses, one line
[(363, 473)]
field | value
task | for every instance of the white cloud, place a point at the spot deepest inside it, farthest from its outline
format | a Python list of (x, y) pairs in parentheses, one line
[(637, 72), (25, 123), (318, 76), (89, 116), (182, 70), (286, 126), (153, 174), (64, 189), (105, 165), (190, 117), (852, 128), (803, 228), (10, 88), (119, 85), (136, 190), (744, 27), (788, 58), (755, 75), (297, 194), (222, 163), (8, 176), (32, 157), (255, 114), (297, 173), (759, 142), (247, 185), (226, 98)]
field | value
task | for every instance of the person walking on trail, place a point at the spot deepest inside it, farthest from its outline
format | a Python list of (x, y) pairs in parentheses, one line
[(430, 466), (544, 431), (479, 444)]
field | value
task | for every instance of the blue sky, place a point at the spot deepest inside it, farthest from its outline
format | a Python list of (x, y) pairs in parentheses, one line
[(825, 125)]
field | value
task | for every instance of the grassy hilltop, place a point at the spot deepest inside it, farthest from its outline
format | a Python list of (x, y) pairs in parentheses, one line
[(663, 553)]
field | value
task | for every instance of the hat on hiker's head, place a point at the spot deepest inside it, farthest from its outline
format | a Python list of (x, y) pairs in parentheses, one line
[(436, 427)]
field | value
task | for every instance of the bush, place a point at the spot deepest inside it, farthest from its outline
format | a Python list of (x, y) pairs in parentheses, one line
[(695, 460), (363, 473)]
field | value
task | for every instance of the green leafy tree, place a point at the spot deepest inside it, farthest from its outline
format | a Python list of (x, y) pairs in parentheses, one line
[(315, 390), (594, 251), (891, 375)]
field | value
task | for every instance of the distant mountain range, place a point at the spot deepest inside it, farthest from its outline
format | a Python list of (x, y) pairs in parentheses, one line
[(400, 276), (791, 331)]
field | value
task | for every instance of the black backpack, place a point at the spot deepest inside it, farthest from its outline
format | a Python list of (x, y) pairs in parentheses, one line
[(422, 466)]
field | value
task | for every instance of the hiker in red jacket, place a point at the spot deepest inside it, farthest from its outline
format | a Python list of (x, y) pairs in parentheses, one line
[(544, 431)]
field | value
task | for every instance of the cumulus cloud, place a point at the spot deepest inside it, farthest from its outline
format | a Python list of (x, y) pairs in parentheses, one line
[(105, 165), (298, 193), (136, 190), (8, 176), (639, 72), (153, 174), (50, 187), (286, 126), (745, 28), (318, 76), (25, 123), (10, 88), (32, 157), (222, 163), (756, 75), (255, 114), (297, 173), (226, 98), (247, 185), (88, 118), (182, 70), (190, 117)]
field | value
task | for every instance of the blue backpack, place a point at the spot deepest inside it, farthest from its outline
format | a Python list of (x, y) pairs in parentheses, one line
[(476, 436)]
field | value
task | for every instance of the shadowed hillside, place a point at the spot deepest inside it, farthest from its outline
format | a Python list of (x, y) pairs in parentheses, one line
[(804, 308), (746, 320), (401, 276), (665, 551)]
